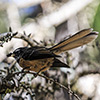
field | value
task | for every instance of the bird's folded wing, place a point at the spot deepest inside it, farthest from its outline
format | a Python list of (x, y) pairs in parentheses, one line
[(79, 39), (58, 63)]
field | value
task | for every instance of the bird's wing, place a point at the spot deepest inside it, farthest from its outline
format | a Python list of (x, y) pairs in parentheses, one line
[(58, 63), (38, 53), (79, 39)]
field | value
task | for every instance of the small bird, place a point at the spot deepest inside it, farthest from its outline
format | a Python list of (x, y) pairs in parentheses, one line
[(39, 59)]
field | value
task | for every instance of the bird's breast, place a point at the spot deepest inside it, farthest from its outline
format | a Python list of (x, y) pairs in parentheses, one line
[(36, 65)]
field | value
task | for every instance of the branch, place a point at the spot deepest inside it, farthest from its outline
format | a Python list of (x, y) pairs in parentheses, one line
[(62, 86), (12, 65), (26, 38), (50, 79), (64, 13), (5, 37)]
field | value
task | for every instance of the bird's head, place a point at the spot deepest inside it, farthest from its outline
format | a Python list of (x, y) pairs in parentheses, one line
[(17, 53)]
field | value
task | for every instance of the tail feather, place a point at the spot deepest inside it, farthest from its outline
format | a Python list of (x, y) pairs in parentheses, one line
[(79, 39)]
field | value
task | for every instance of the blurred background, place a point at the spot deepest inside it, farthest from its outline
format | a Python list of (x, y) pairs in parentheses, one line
[(51, 21)]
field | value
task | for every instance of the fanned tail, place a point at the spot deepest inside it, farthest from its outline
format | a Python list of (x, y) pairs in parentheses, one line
[(79, 39)]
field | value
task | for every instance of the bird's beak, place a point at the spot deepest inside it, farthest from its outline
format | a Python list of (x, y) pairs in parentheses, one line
[(10, 55)]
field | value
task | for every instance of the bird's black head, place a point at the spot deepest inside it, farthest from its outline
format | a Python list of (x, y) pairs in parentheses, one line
[(17, 53)]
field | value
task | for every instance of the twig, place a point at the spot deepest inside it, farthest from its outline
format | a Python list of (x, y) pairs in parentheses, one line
[(62, 86), (26, 38), (68, 85), (5, 37), (12, 65), (66, 88)]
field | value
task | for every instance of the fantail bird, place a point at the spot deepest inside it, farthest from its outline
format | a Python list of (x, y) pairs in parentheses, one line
[(39, 59)]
